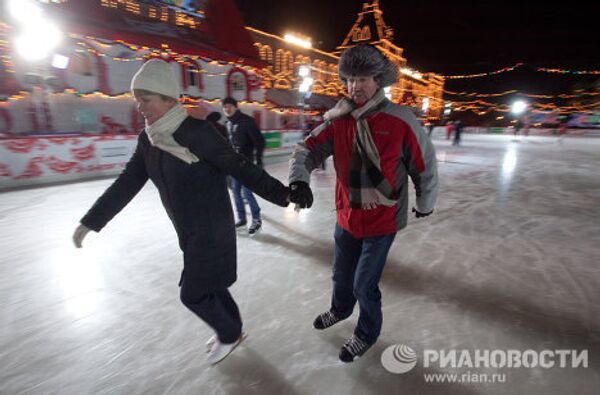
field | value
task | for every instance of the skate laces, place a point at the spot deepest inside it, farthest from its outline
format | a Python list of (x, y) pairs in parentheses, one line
[(355, 346), (329, 319)]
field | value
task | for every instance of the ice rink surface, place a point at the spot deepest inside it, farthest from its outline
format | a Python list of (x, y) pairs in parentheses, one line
[(510, 260)]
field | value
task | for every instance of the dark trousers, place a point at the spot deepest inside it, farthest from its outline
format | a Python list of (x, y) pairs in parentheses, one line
[(217, 309), (456, 138), (357, 267)]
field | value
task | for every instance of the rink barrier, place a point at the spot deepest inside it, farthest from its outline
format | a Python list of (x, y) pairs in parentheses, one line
[(439, 132), (47, 159)]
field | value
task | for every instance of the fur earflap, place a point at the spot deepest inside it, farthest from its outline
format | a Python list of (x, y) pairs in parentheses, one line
[(366, 60)]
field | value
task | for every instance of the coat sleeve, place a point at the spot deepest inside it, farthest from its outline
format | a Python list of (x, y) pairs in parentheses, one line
[(209, 146), (420, 161), (119, 194), (311, 153), (258, 141)]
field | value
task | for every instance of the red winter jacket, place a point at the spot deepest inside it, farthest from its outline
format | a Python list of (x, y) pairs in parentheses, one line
[(405, 150)]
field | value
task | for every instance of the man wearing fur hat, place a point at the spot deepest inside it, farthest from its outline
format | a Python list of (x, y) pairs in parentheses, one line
[(188, 161), (375, 145)]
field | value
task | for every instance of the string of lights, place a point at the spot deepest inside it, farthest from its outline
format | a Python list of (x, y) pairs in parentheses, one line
[(188, 101), (152, 52), (518, 65), (563, 71), (504, 70), (512, 91), (475, 94), (481, 107)]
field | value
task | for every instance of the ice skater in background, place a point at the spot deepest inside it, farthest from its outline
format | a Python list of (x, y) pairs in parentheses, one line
[(188, 160), (246, 139), (449, 129), (458, 129), (375, 145)]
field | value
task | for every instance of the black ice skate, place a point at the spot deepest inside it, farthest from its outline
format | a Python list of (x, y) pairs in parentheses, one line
[(326, 320), (353, 349), (255, 227)]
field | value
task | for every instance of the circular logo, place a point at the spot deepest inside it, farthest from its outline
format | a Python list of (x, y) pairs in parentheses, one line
[(398, 358)]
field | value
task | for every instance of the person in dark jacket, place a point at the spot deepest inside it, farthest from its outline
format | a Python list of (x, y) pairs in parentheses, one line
[(458, 129), (245, 138), (188, 161)]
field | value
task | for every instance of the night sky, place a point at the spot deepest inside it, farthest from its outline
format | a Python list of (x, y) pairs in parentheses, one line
[(459, 37)]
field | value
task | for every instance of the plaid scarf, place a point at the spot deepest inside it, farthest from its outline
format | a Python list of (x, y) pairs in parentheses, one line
[(367, 186)]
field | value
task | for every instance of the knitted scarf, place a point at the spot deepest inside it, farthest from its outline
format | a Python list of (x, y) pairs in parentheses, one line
[(160, 134), (366, 184)]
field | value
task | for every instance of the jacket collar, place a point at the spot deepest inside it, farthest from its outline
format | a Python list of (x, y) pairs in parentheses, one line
[(236, 115)]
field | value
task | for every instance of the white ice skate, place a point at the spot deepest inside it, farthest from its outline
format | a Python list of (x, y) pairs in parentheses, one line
[(219, 350), (210, 342)]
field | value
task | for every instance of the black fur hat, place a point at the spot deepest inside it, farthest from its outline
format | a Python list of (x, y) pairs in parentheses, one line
[(366, 60)]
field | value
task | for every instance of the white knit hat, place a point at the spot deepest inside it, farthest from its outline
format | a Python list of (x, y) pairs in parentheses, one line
[(156, 76)]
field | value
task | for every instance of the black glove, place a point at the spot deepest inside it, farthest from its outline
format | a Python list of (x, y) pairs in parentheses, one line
[(419, 214), (301, 194)]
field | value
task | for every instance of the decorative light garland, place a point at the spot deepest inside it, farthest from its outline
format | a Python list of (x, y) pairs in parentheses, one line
[(481, 108), (504, 70), (563, 71), (561, 96), (187, 100), (475, 94), (517, 65), (179, 58)]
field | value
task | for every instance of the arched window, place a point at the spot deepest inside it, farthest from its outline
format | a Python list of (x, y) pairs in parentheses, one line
[(290, 61), (279, 61), (269, 53), (237, 84), (266, 54), (317, 73), (362, 34), (366, 33), (332, 75), (194, 77), (191, 74)]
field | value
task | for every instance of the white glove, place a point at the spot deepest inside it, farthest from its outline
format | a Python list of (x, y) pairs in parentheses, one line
[(80, 234)]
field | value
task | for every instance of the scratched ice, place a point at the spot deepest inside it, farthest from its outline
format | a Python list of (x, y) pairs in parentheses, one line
[(509, 260)]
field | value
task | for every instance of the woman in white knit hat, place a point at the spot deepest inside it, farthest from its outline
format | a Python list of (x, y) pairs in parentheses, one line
[(188, 160)]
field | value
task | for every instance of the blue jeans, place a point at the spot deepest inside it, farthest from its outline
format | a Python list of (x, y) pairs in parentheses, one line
[(357, 267), (240, 193)]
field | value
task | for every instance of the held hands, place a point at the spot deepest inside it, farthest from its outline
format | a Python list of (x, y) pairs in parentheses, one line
[(301, 194), (80, 234), (419, 214)]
